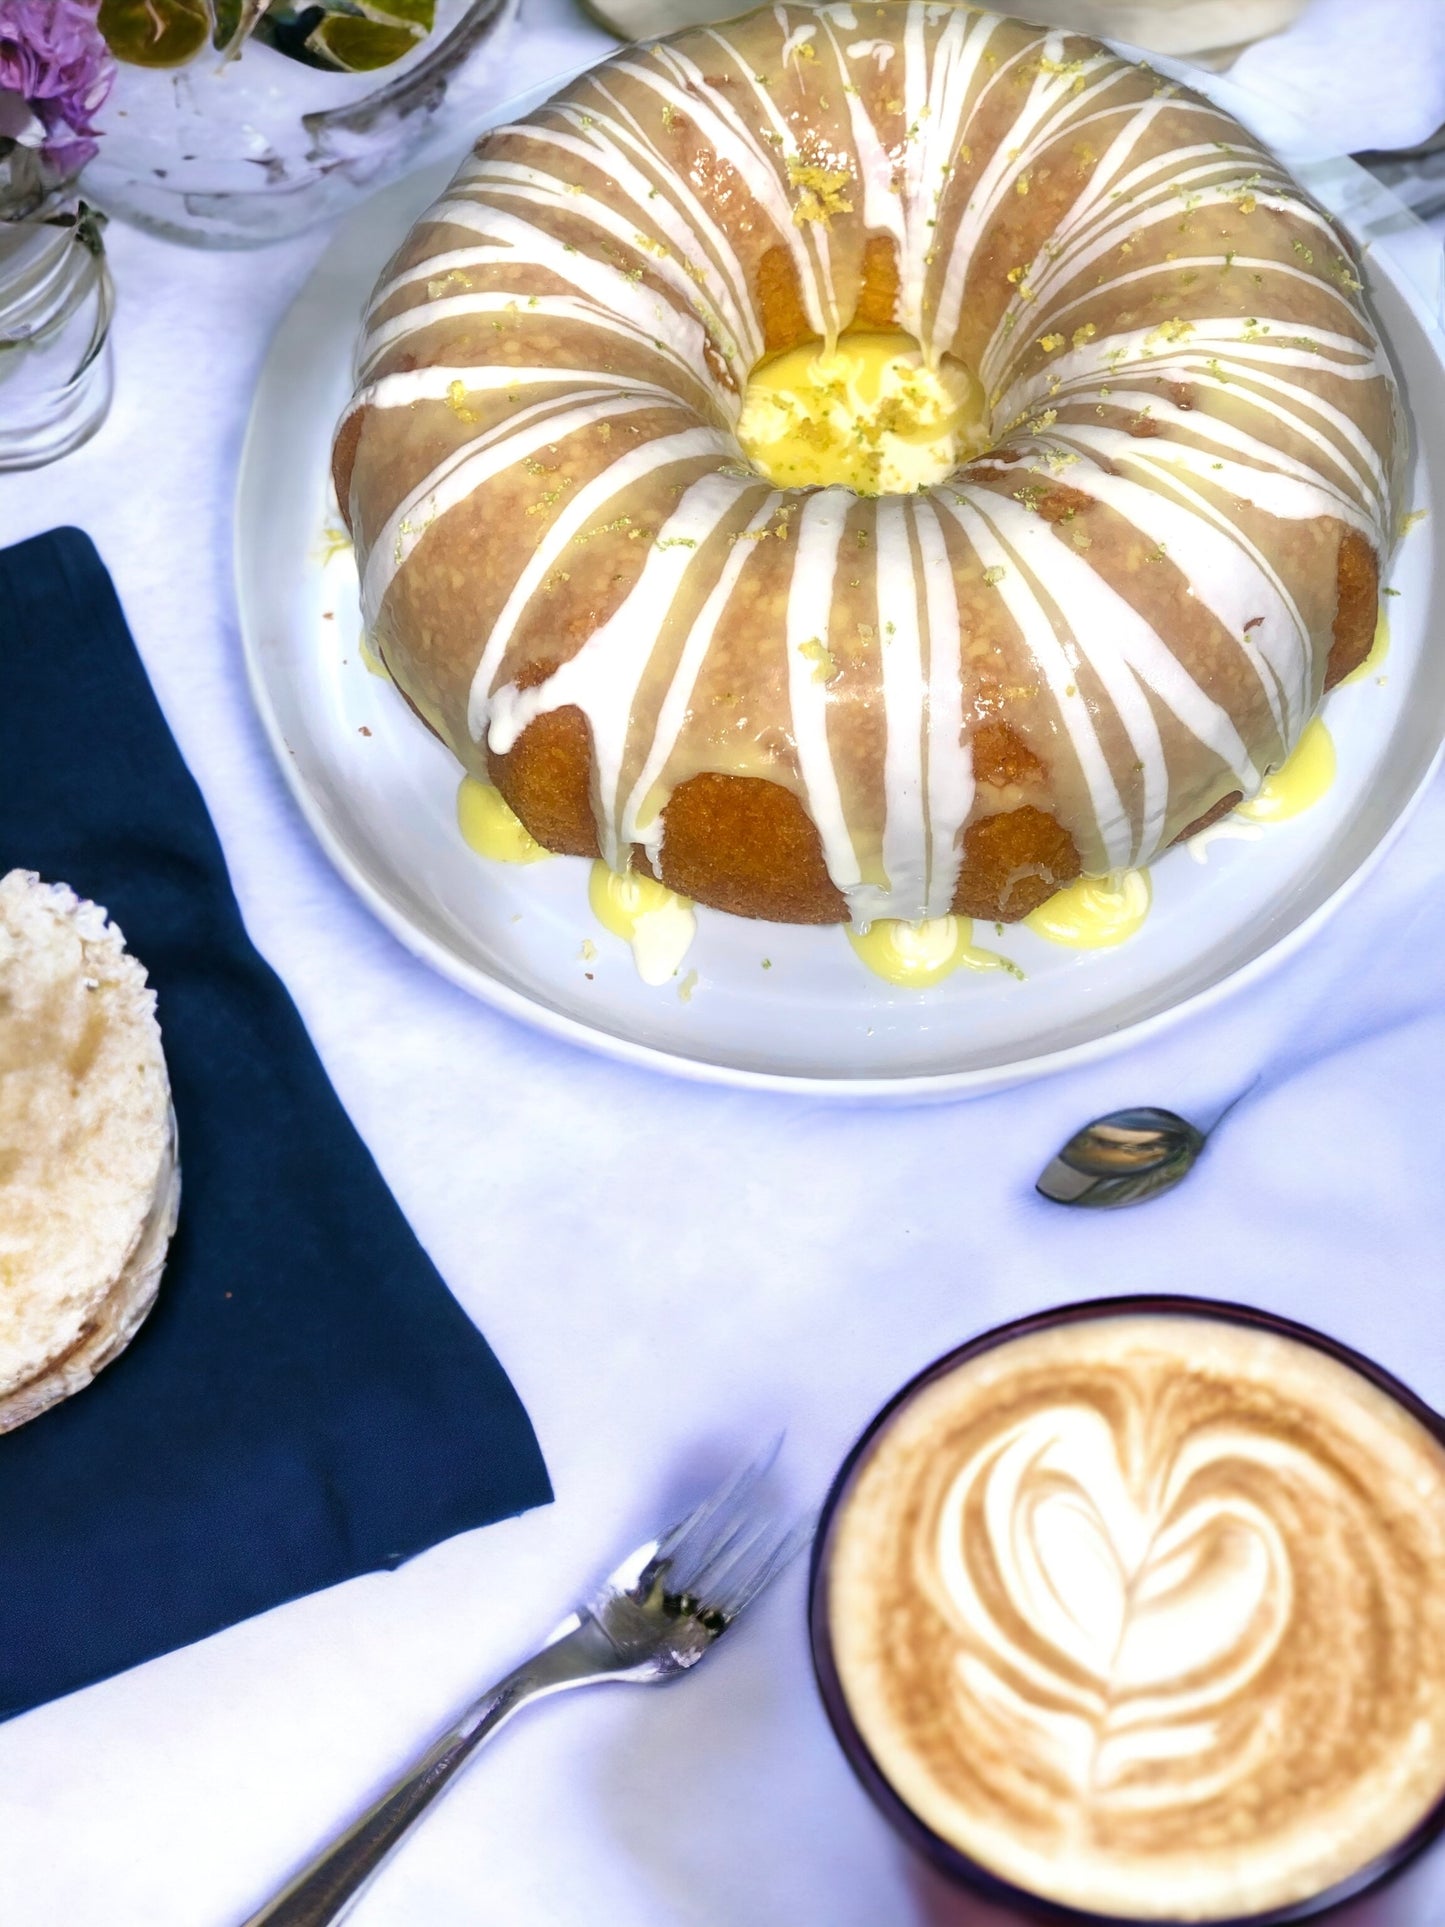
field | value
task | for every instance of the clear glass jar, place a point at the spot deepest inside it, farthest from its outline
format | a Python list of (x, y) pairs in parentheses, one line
[(239, 151), (55, 357)]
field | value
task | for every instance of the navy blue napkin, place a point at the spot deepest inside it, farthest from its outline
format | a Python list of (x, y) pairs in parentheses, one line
[(306, 1401)]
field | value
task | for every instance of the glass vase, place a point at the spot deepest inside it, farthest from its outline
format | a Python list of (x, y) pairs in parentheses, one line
[(236, 152), (55, 355)]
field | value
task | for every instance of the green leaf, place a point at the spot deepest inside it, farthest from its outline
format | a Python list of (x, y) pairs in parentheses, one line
[(357, 45), (155, 33)]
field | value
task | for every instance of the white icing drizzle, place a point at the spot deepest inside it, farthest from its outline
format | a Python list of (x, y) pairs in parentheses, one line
[(950, 786), (819, 533), (500, 715), (628, 298), (642, 815), (1049, 655), (464, 473)]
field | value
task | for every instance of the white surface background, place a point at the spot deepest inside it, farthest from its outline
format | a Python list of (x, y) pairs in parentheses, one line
[(667, 1271)]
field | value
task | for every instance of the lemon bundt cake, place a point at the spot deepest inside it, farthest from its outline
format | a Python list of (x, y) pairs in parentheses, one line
[(1153, 540)]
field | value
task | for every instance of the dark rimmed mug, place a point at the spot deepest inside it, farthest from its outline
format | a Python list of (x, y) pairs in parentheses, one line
[(965, 1873)]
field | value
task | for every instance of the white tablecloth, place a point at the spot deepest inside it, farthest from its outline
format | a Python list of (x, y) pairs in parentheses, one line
[(667, 1271)]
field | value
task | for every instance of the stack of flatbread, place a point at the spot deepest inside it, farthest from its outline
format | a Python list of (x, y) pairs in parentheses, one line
[(89, 1179)]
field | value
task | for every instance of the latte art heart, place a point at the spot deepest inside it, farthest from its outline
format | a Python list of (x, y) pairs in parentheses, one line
[(1147, 1614), (1124, 1625)]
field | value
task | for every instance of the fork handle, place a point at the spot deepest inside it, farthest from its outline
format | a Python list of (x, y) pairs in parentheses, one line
[(326, 1887)]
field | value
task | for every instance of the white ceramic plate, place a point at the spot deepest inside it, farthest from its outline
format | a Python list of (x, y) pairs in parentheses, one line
[(769, 1005)]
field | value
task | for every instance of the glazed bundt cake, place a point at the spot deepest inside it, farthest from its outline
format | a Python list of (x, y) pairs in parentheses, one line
[(1101, 628)]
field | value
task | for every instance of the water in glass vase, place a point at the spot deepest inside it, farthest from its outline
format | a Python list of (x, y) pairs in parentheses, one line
[(55, 361)]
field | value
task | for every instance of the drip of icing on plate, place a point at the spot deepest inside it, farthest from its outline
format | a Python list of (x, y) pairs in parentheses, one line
[(1297, 785), (490, 826), (1095, 913), (1300, 781), (371, 659), (334, 541), (657, 923), (1229, 831), (916, 956)]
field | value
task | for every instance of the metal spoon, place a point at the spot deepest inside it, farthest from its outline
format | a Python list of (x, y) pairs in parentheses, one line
[(1123, 1158)]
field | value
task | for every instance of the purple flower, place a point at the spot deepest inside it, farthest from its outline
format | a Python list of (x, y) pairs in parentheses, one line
[(53, 57)]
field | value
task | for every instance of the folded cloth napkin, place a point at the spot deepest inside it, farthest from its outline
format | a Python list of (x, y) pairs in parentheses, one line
[(306, 1401)]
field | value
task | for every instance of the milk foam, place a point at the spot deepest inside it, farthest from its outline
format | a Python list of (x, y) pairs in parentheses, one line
[(1147, 1614)]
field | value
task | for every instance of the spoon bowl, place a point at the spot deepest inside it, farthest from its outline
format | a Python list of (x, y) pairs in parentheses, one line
[(1122, 1158)]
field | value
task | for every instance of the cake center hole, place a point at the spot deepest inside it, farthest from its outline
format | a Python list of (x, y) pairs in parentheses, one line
[(871, 416)]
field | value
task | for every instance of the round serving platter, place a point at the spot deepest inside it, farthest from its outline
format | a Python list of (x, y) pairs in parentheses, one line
[(767, 1005)]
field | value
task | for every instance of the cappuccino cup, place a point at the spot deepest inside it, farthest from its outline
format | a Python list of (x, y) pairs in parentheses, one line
[(1135, 1611)]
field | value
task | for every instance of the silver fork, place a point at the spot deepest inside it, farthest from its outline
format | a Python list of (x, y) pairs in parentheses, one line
[(652, 1619)]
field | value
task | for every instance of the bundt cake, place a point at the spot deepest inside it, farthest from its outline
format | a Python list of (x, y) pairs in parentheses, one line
[(1103, 626)]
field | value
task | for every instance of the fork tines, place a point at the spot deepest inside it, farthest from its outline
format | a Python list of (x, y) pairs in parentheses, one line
[(729, 1547)]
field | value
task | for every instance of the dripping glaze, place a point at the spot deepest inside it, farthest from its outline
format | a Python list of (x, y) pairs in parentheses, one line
[(491, 828), (1301, 781), (1095, 913), (655, 923), (915, 956)]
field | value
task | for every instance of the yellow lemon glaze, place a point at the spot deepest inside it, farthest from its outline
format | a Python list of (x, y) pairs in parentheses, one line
[(491, 828), (1094, 913), (371, 659), (869, 415), (917, 955), (658, 924), (334, 541), (1299, 782), (1379, 649)]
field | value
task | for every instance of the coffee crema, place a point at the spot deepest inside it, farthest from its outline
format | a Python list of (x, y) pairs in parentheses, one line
[(1145, 1614)]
